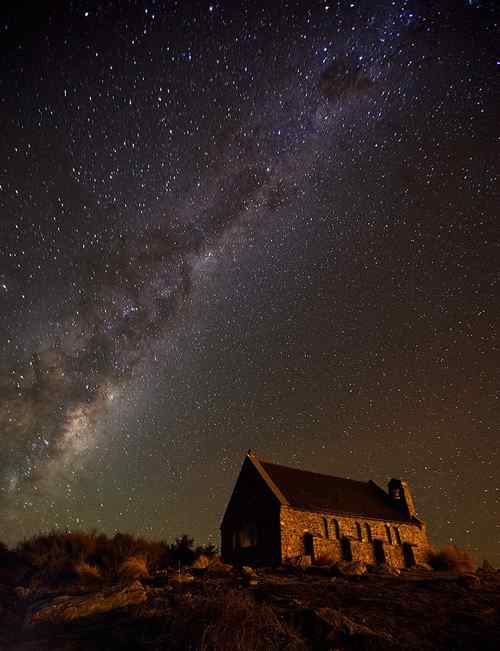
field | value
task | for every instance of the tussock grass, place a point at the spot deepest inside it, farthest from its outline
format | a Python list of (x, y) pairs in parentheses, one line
[(451, 558), (133, 568)]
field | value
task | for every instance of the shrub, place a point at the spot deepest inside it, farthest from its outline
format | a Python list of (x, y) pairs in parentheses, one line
[(134, 567), (201, 561), (209, 550), (54, 550), (57, 555), (182, 551), (87, 572), (451, 558)]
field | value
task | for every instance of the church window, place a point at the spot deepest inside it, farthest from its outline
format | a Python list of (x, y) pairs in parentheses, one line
[(359, 533), (388, 534), (397, 535), (247, 535), (368, 532), (337, 529), (325, 528)]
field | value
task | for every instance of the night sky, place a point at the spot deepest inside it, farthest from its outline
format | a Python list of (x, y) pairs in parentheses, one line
[(266, 226)]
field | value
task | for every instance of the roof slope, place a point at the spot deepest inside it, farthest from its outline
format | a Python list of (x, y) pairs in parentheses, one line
[(315, 492)]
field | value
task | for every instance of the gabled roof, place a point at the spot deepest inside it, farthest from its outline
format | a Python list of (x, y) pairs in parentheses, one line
[(312, 491)]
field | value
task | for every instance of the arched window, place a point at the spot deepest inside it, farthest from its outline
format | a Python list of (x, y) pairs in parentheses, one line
[(337, 529), (388, 534), (325, 528), (359, 534), (397, 536), (247, 535), (368, 532)]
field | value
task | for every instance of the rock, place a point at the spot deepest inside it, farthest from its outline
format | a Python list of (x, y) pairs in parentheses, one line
[(344, 568), (157, 580), (219, 569), (248, 571), (198, 571), (181, 578), (22, 593), (487, 567), (69, 607), (303, 561), (320, 570), (469, 580), (384, 570), (330, 626)]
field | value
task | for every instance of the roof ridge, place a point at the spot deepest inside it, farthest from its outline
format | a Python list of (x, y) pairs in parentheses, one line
[(321, 474)]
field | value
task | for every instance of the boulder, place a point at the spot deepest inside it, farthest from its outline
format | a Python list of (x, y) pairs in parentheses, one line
[(219, 569), (70, 607), (248, 571), (384, 570), (22, 593), (487, 567), (469, 580), (424, 566), (181, 578), (345, 568), (303, 562), (329, 628)]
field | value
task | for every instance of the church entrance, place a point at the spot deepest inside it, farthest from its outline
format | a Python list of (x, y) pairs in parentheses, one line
[(408, 555), (308, 544), (346, 549), (378, 551)]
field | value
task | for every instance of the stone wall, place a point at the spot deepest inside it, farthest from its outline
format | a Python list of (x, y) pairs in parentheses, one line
[(332, 540)]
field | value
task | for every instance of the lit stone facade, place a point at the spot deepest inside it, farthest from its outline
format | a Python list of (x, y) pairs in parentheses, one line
[(338, 536)]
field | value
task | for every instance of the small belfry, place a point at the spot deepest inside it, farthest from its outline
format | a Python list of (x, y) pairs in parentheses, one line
[(278, 514)]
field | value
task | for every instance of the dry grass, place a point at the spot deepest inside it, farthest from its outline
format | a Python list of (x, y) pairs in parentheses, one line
[(56, 552), (88, 572), (201, 562), (452, 559), (237, 623), (134, 567)]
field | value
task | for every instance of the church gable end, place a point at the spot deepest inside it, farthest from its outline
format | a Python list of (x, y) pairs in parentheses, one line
[(250, 527)]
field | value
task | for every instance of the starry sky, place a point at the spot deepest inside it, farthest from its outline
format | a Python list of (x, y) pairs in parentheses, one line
[(265, 225)]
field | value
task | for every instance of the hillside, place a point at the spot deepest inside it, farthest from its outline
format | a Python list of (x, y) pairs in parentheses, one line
[(224, 608)]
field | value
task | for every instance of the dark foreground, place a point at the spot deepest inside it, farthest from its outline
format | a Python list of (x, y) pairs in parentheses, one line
[(272, 609)]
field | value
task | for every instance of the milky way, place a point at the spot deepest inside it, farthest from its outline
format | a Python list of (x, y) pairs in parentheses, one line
[(265, 227)]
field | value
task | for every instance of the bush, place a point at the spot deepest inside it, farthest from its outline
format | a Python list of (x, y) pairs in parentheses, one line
[(452, 559), (58, 555), (133, 568), (210, 550), (87, 572), (182, 552), (54, 550)]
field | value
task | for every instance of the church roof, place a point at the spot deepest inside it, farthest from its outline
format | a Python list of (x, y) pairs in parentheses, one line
[(312, 491)]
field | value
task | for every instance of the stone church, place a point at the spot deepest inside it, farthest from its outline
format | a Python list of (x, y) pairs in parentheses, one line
[(278, 514)]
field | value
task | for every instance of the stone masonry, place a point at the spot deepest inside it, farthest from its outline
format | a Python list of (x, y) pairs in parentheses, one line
[(329, 533)]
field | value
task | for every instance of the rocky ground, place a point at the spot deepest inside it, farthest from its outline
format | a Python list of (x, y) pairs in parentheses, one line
[(222, 608)]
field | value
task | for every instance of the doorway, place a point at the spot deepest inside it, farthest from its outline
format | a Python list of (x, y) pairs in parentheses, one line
[(409, 556), (308, 544), (346, 549), (378, 551)]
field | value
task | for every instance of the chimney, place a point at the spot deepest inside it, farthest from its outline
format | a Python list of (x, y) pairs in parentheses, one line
[(400, 495)]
